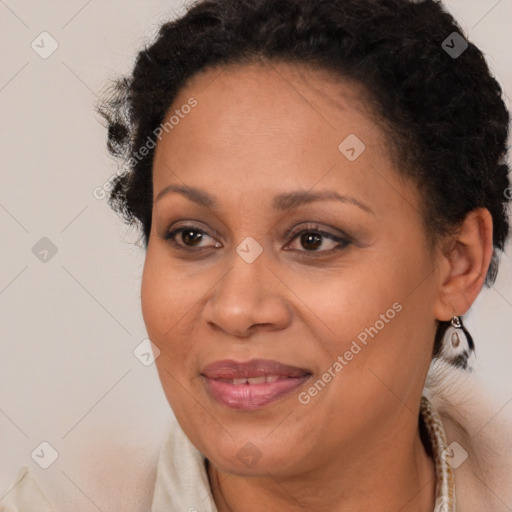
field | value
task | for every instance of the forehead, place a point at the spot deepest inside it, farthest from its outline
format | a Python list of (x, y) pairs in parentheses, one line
[(256, 132), (267, 114), (299, 79), (278, 88)]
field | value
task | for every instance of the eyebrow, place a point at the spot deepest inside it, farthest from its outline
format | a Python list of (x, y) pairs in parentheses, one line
[(281, 202)]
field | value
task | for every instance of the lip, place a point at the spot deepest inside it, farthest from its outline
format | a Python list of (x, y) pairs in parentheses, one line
[(219, 375)]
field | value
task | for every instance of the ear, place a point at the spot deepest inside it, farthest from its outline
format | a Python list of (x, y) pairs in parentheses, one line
[(463, 262)]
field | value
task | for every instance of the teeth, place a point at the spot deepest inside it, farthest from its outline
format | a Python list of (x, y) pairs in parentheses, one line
[(256, 380)]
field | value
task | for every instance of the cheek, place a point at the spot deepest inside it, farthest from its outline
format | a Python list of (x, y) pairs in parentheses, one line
[(370, 311), (344, 302), (165, 302), (166, 295)]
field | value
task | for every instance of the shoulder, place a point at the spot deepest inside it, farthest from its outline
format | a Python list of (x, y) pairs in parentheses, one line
[(110, 472), (182, 481), (24, 494), (479, 433)]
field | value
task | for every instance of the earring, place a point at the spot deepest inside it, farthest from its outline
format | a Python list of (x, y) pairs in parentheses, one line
[(454, 338), (457, 344)]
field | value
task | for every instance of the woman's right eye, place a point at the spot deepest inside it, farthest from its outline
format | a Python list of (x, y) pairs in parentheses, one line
[(189, 235)]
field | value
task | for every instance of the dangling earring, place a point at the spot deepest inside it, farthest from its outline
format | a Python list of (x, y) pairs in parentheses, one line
[(454, 338), (457, 344)]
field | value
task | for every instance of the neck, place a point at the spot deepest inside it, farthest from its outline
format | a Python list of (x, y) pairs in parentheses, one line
[(393, 472)]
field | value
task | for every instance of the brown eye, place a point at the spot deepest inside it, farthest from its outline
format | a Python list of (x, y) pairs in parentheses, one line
[(312, 239), (191, 236)]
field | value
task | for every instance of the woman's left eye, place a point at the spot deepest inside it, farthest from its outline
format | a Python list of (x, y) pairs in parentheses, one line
[(311, 238)]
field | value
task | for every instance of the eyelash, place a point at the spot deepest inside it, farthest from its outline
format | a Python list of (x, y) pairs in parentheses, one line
[(314, 229)]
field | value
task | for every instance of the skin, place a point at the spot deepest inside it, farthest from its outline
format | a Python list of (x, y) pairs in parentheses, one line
[(257, 131)]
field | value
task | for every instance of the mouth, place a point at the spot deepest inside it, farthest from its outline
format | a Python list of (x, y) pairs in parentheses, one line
[(253, 384)]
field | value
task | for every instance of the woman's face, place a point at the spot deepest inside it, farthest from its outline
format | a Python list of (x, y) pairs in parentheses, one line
[(346, 308)]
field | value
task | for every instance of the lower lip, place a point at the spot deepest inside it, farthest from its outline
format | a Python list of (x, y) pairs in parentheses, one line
[(252, 396)]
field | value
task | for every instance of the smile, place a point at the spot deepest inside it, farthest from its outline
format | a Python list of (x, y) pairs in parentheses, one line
[(253, 384)]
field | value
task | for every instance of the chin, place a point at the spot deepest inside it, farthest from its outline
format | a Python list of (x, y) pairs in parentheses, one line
[(249, 461)]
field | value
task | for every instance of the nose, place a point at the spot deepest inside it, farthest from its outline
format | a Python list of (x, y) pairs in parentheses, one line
[(250, 297)]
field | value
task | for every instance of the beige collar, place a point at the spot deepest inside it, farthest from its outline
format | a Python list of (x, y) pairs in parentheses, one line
[(182, 481)]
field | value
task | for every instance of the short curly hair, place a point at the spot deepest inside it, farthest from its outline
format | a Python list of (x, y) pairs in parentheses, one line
[(447, 121)]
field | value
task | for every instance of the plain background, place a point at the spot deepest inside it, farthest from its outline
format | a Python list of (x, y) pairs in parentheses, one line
[(69, 326)]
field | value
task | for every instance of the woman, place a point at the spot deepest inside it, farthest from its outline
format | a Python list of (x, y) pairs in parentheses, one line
[(322, 194), (366, 131)]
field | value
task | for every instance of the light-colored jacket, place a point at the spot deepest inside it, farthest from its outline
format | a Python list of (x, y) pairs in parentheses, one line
[(478, 430), (482, 427)]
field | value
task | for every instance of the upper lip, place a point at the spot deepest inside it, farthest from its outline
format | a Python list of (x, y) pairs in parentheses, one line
[(229, 369)]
